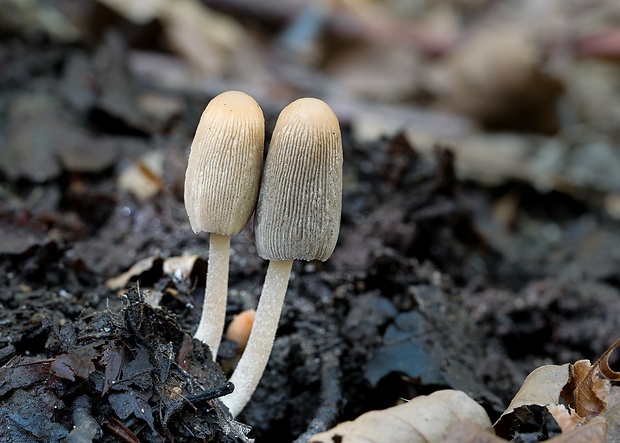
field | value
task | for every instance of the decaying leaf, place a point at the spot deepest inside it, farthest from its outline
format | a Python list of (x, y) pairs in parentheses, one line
[(177, 268), (138, 12), (180, 267), (583, 386), (585, 392), (423, 419), (542, 387), (564, 418), (78, 362), (205, 38), (603, 364), (595, 431), (138, 268), (144, 177), (22, 372), (468, 432)]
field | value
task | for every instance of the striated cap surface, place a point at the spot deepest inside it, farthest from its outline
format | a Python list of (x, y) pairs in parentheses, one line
[(224, 167), (300, 201)]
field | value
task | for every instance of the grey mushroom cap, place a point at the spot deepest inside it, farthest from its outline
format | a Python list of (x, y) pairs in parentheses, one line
[(300, 200), (224, 166)]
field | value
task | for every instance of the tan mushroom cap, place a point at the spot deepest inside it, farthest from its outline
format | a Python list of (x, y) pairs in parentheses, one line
[(300, 201), (224, 167)]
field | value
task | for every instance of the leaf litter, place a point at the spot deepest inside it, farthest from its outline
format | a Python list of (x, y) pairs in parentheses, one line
[(144, 370)]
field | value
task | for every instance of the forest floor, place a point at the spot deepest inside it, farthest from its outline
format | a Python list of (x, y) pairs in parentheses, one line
[(444, 276)]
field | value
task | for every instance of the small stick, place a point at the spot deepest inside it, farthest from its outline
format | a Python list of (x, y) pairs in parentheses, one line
[(86, 428)]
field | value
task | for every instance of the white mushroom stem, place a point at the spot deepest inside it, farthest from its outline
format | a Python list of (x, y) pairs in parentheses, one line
[(214, 307), (254, 359)]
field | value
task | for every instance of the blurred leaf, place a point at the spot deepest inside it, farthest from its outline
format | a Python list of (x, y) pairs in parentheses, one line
[(424, 419), (144, 177), (140, 12), (595, 431), (468, 432)]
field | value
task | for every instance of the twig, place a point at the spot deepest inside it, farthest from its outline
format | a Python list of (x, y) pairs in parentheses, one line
[(86, 428), (331, 397)]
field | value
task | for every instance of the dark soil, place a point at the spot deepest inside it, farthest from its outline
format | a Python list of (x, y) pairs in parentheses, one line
[(426, 289)]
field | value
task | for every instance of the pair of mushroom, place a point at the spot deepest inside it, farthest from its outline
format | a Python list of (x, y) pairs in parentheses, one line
[(298, 205)]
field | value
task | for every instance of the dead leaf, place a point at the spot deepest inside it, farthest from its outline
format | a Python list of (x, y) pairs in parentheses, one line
[(423, 419), (564, 418), (578, 384), (205, 38), (542, 387), (585, 392), (140, 12), (21, 372), (138, 268), (468, 432), (29, 416), (603, 364), (349, 69), (494, 75), (612, 414), (77, 362), (180, 267), (113, 359), (132, 402), (595, 431), (144, 178)]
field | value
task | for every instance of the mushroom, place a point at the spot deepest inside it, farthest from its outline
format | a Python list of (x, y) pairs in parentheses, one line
[(221, 188), (297, 217), (239, 328)]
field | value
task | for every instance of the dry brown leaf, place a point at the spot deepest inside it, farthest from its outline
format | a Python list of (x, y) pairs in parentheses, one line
[(603, 364), (585, 392), (423, 419)]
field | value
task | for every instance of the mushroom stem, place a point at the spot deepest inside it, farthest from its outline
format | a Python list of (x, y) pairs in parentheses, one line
[(214, 307), (254, 359)]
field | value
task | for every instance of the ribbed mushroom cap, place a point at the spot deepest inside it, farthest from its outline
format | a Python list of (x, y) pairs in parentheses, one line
[(223, 171), (300, 201)]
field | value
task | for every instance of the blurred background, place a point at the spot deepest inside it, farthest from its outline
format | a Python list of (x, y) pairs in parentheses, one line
[(522, 90)]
